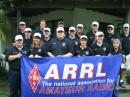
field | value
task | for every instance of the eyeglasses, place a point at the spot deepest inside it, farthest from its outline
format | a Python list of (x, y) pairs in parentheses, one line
[(60, 31), (94, 25), (46, 31), (72, 31), (110, 29)]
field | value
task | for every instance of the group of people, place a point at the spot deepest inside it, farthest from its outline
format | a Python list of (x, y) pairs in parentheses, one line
[(74, 42)]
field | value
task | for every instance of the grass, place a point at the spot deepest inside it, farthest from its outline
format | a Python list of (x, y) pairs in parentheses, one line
[(4, 89)]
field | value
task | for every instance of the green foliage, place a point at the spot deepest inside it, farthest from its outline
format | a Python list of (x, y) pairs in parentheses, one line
[(128, 77)]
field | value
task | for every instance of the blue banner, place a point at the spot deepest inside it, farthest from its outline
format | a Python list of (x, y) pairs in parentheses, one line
[(87, 76)]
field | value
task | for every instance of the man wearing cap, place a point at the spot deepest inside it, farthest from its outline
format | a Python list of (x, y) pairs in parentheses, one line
[(111, 35), (126, 48), (22, 27), (60, 46), (83, 49), (61, 24), (99, 47), (73, 38), (79, 30), (28, 37), (91, 34), (126, 39), (13, 57), (46, 37)]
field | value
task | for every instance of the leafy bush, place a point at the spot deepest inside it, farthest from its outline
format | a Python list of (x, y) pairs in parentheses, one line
[(128, 77)]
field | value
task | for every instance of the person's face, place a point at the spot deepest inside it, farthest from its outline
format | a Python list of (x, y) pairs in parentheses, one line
[(110, 30), (61, 25), (116, 44), (46, 33), (36, 40), (72, 32), (95, 27), (79, 29), (126, 30), (100, 38), (60, 34), (19, 42), (83, 42), (42, 24), (22, 27), (27, 34)]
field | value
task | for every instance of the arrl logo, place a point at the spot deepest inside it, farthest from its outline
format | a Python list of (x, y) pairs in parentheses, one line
[(34, 78)]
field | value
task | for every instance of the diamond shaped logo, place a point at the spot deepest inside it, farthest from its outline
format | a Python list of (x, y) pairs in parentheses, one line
[(34, 78)]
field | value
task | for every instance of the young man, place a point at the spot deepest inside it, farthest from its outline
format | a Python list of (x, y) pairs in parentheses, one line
[(91, 34), (22, 27)]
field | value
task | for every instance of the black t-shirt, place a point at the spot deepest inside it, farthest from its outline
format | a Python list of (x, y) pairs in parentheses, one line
[(109, 39), (102, 50), (126, 44), (16, 64), (38, 51), (46, 43), (91, 37), (60, 47), (75, 43), (27, 43), (119, 52), (84, 51)]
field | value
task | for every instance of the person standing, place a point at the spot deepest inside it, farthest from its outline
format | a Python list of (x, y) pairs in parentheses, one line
[(13, 56), (60, 46), (72, 37), (100, 47), (91, 34), (42, 25), (79, 30), (28, 37), (83, 49), (22, 27), (37, 49), (111, 35)]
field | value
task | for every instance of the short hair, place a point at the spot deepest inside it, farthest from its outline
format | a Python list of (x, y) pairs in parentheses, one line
[(42, 20)]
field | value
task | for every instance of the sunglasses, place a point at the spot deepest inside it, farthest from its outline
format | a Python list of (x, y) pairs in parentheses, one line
[(110, 29), (60, 31), (72, 31)]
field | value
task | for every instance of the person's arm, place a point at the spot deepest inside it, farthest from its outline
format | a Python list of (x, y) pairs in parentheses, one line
[(68, 55), (50, 54), (13, 57)]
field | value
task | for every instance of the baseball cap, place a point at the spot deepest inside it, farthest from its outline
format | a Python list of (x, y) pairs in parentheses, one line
[(60, 29), (72, 28), (80, 25), (22, 23), (83, 37), (126, 25), (28, 30), (110, 26), (17, 37), (99, 33), (95, 23), (47, 29), (37, 34)]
